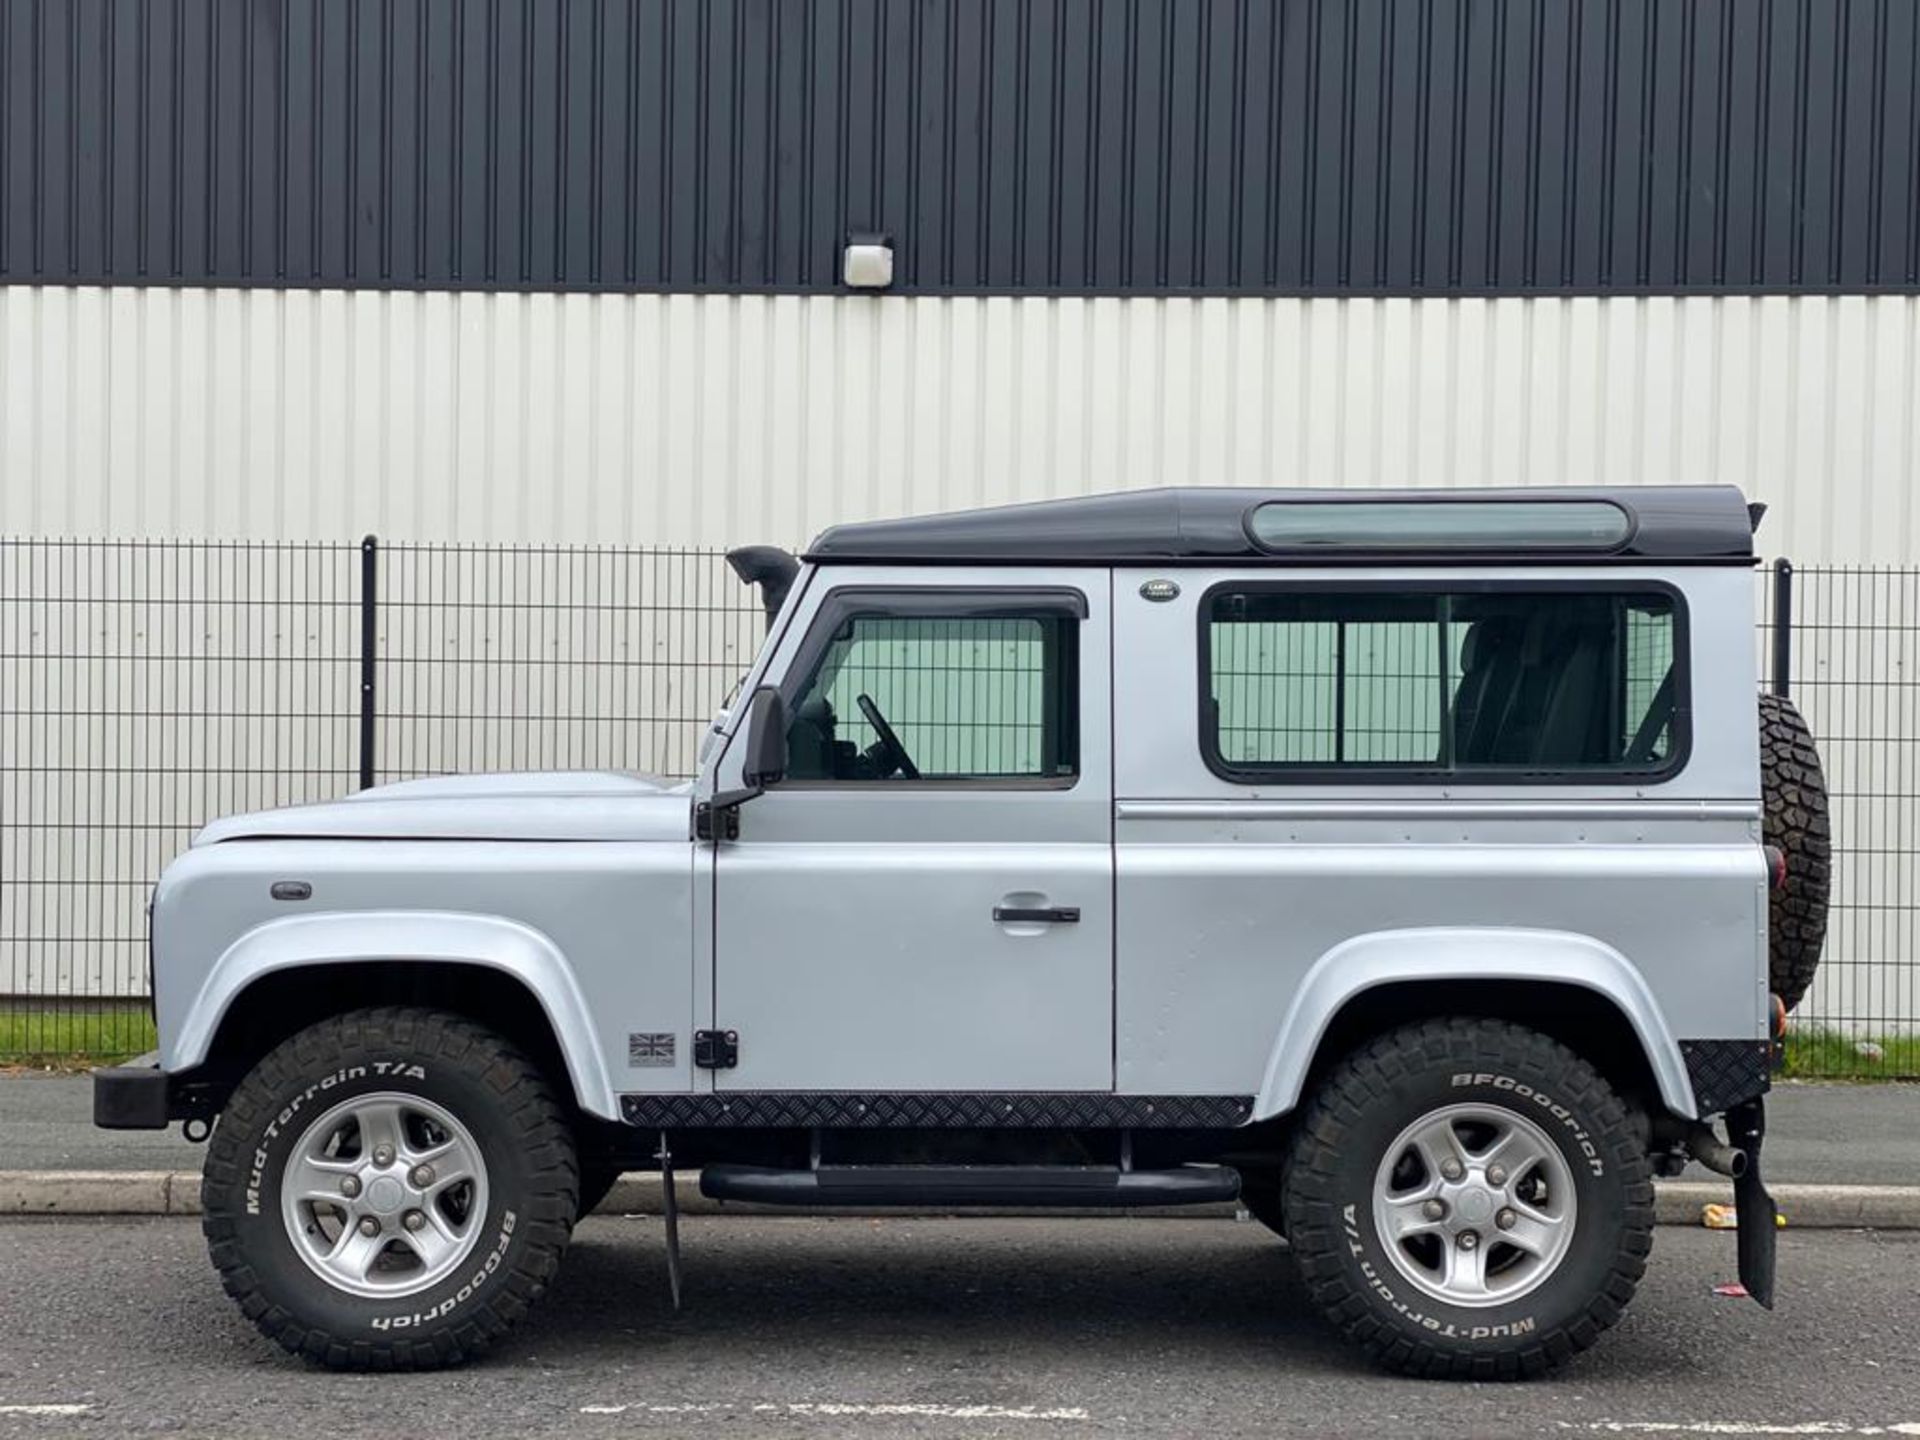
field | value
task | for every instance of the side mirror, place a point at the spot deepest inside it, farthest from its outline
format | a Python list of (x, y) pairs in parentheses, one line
[(766, 754)]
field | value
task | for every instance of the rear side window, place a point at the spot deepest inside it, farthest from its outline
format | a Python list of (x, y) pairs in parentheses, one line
[(1446, 684)]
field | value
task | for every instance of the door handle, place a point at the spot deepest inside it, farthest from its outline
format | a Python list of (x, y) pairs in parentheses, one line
[(1040, 915)]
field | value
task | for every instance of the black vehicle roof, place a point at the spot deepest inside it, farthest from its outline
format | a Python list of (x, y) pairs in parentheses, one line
[(1692, 524)]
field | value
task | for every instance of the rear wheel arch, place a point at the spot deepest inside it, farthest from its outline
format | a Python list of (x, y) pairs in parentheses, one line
[(1569, 986), (1587, 1021)]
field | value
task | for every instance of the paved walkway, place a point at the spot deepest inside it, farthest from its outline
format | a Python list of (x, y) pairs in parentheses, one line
[(1817, 1134), (46, 1123)]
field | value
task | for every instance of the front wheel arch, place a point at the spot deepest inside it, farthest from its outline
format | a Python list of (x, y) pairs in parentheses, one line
[(439, 943), (280, 1003)]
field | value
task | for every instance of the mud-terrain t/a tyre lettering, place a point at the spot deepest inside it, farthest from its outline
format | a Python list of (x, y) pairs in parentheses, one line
[(390, 1189), (1469, 1198)]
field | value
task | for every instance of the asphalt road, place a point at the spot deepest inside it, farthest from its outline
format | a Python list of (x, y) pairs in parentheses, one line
[(1042, 1328)]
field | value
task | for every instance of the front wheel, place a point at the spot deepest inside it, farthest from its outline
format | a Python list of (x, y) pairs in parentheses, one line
[(597, 1179), (1469, 1198), (389, 1189)]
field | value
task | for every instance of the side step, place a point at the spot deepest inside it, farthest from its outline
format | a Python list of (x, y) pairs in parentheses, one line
[(1100, 1187)]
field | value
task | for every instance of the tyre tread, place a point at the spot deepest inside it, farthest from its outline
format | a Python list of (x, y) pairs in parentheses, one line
[(534, 1115), (1795, 818), (1313, 1179)]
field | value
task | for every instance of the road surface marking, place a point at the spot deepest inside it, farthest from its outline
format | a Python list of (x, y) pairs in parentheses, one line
[(52, 1410), (1742, 1427), (851, 1409)]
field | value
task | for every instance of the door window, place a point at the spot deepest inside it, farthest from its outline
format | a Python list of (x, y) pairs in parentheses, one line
[(900, 694)]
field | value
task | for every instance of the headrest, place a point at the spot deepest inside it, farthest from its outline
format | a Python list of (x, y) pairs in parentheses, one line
[(1485, 639)]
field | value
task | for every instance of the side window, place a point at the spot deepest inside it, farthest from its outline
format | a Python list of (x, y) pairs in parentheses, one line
[(1325, 680), (918, 696), (1445, 684)]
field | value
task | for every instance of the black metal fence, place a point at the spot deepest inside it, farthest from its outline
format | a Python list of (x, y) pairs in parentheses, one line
[(147, 687), (1848, 654)]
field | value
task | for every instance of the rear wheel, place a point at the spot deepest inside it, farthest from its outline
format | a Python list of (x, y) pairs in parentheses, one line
[(1261, 1197), (1469, 1198), (389, 1189)]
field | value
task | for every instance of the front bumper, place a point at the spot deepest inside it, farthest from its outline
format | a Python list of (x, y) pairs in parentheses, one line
[(134, 1097)]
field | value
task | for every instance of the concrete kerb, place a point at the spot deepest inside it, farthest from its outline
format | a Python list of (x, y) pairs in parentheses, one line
[(159, 1192)]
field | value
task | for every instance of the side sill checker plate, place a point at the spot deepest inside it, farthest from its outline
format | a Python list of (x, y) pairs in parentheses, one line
[(935, 1110)]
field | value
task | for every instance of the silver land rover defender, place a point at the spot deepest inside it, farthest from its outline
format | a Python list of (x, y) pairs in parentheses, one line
[(1407, 865)]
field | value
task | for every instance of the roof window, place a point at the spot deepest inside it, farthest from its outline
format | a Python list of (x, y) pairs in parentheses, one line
[(1439, 524)]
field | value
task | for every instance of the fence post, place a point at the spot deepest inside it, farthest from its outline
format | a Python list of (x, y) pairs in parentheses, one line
[(1782, 626), (369, 639)]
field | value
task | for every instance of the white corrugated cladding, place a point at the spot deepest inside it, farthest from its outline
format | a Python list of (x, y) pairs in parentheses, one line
[(728, 418), (710, 420)]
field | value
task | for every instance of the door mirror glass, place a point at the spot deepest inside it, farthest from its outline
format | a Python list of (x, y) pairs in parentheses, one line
[(766, 758)]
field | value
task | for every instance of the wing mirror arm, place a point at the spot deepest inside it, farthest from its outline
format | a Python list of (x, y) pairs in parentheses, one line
[(765, 736)]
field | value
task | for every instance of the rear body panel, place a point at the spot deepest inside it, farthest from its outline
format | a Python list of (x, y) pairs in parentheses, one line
[(1229, 895)]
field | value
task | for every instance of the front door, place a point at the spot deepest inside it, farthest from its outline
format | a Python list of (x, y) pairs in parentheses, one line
[(925, 902)]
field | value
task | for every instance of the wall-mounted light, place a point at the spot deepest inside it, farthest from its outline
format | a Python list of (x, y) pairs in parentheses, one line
[(867, 263)]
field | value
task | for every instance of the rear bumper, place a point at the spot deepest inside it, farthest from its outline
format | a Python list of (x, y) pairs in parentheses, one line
[(1727, 1073), (134, 1097)]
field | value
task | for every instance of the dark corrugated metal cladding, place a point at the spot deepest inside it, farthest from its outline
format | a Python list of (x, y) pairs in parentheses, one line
[(1114, 146)]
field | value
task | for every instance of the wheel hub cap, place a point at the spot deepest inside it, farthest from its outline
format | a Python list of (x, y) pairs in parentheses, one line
[(386, 1195), (1454, 1233), (1473, 1205), (353, 1211)]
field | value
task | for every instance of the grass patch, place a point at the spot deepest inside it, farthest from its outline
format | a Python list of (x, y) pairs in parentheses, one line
[(77, 1037), (1828, 1055), (73, 1037)]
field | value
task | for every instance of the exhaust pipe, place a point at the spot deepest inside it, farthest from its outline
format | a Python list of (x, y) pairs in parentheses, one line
[(1714, 1153)]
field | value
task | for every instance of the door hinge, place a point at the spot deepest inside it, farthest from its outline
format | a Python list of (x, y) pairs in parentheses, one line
[(716, 1049), (716, 822)]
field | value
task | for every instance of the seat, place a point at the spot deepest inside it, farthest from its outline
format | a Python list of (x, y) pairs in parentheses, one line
[(811, 741), (1489, 670), (1556, 717), (1573, 723)]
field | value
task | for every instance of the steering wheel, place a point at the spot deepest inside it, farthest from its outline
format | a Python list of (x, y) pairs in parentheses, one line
[(891, 750)]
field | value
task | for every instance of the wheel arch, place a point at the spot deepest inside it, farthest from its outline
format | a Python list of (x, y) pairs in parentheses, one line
[(1573, 987), (282, 976)]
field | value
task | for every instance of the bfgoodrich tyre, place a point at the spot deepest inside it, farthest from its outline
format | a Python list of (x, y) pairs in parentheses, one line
[(1793, 790), (1468, 1198), (596, 1183), (389, 1189)]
